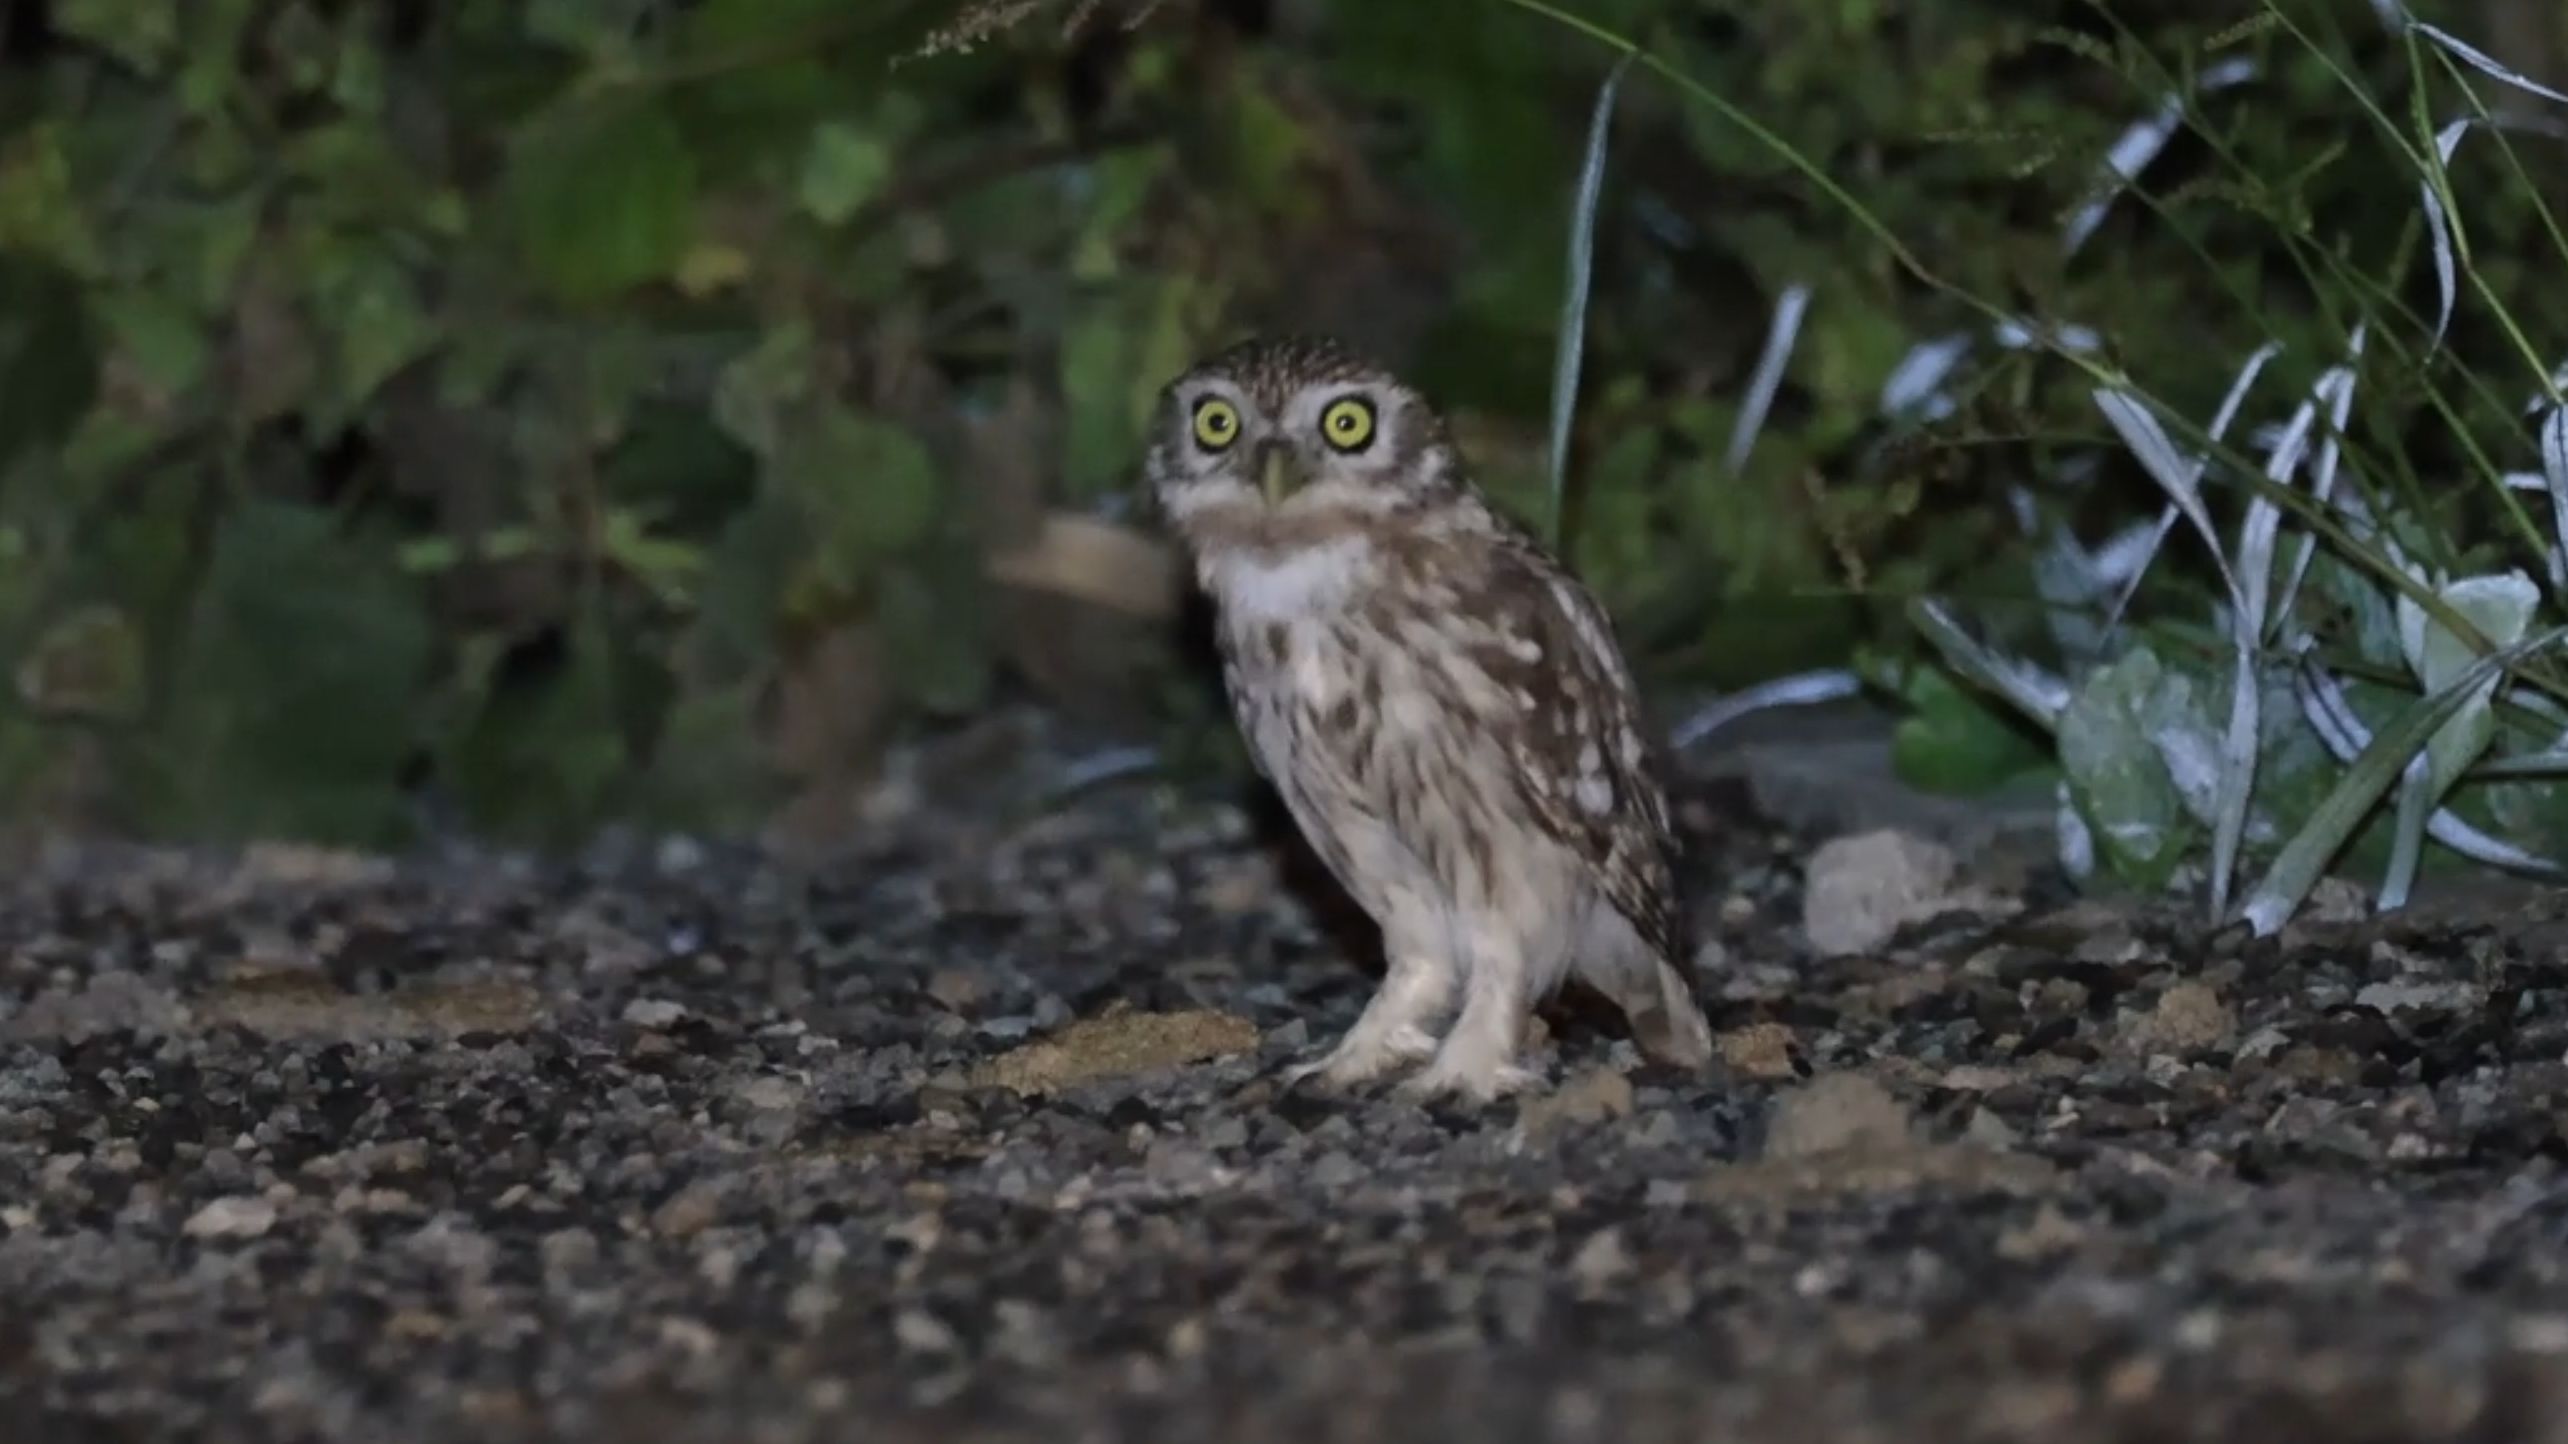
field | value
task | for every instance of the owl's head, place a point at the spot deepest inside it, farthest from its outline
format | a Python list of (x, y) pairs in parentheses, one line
[(1296, 428)]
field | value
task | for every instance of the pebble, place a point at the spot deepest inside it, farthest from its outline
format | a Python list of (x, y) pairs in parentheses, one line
[(232, 1218), (653, 1012)]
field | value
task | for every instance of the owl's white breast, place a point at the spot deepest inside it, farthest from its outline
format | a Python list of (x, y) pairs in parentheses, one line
[(1256, 586)]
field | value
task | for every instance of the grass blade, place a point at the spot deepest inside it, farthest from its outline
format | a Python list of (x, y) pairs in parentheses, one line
[(2027, 688), (2554, 479), (2229, 404), (2138, 145), (2550, 763), (1916, 383), (1780, 337), (2332, 717), (2438, 225), (2305, 858), (2179, 478), (2407, 836), (2334, 394), (1802, 689), (1573, 306), (2481, 61)]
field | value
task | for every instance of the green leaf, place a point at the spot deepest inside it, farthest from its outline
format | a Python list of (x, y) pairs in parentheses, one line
[(707, 768), (868, 487), (141, 33), (292, 711), (40, 207), (48, 356), (676, 461), (1954, 741), (547, 743), (161, 337), (743, 596), (938, 656), (1116, 354), (373, 311), (843, 168), (602, 197), (757, 389)]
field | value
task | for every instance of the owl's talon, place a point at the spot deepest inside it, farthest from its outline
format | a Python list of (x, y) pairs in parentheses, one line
[(1480, 1086), (1356, 1061)]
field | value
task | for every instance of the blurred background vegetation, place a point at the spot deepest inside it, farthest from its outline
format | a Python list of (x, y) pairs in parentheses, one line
[(522, 416)]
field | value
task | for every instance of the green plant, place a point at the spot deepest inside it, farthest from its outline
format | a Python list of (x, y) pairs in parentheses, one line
[(625, 409)]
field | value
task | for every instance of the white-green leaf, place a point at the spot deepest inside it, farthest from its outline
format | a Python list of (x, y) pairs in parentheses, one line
[(2122, 728), (2304, 859), (2500, 606)]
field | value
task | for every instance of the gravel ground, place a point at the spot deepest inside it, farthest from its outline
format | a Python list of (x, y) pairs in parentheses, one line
[(988, 1143)]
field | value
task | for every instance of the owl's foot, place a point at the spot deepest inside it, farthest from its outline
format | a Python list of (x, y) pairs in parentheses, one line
[(1362, 1056), (1473, 1082)]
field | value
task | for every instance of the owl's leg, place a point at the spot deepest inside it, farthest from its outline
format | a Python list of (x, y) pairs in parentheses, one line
[(1392, 1032), (1478, 1058)]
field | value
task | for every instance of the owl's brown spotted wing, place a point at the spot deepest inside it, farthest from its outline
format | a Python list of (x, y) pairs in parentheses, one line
[(1584, 764)]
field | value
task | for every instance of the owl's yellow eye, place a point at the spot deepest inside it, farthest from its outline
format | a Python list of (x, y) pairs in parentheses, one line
[(1216, 423), (1348, 424)]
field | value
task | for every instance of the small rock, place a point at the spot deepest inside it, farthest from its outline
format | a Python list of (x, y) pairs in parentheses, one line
[(957, 989), (1837, 1112), (245, 1216), (1336, 1169), (1180, 1164), (2336, 900), (2050, 1232), (1599, 1095), (920, 1332), (1976, 1078), (2263, 1043), (568, 1250), (1860, 890), (2424, 997), (2188, 1017), (688, 1212), (1759, 1050), (1601, 1262), (1990, 1131), (653, 1012), (1659, 1129), (770, 1093), (2109, 945)]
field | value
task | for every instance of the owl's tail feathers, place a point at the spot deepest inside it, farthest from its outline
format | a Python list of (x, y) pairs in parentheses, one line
[(1667, 1023)]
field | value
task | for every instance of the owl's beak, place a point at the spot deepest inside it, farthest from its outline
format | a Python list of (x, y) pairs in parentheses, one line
[(1279, 474)]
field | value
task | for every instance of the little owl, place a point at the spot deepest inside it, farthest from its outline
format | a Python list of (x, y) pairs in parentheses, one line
[(1441, 705)]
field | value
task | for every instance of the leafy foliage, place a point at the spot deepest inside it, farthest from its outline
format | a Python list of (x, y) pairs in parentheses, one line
[(548, 413)]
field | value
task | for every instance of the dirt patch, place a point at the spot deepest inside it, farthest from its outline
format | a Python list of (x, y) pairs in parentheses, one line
[(302, 1004), (1118, 1044)]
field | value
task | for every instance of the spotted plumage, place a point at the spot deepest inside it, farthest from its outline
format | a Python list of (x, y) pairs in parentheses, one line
[(1441, 705)]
